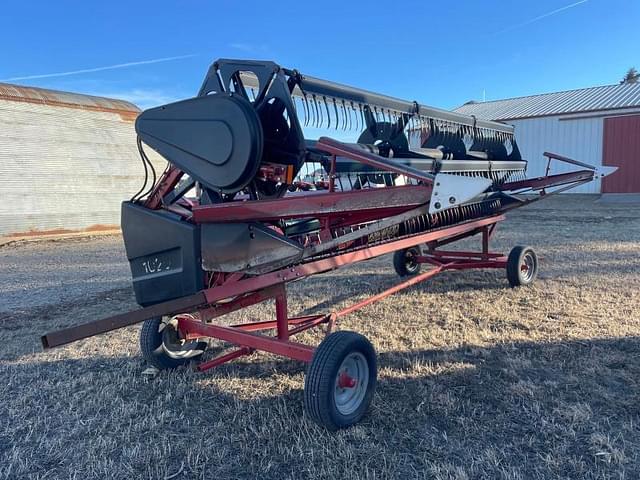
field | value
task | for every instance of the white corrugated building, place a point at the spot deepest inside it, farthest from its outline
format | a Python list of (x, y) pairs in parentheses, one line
[(68, 160), (598, 125)]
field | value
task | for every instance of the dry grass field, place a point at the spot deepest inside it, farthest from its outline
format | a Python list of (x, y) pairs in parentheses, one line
[(476, 380)]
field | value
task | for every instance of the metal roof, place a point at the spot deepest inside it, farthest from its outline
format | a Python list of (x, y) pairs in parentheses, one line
[(19, 93), (607, 97)]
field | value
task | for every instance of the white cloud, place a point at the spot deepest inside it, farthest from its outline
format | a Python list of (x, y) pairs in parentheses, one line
[(540, 17), (99, 69)]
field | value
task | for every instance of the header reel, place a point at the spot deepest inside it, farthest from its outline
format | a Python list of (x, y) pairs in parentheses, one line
[(244, 130)]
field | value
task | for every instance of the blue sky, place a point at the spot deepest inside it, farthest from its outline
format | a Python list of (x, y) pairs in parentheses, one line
[(439, 53)]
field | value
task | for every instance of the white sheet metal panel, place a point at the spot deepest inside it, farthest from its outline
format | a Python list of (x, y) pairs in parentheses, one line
[(577, 138), (65, 167)]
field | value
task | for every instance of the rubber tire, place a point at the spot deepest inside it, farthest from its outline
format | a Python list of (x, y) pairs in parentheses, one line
[(514, 273), (153, 351), (400, 262), (319, 382)]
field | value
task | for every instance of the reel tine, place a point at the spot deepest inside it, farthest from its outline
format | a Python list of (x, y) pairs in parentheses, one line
[(336, 114), (347, 118), (305, 107), (356, 120), (326, 107), (314, 110), (318, 112), (355, 116), (344, 115), (335, 109)]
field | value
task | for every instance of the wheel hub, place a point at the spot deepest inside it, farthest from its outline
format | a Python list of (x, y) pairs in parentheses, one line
[(351, 383), (345, 381), (173, 343), (527, 267), (412, 265)]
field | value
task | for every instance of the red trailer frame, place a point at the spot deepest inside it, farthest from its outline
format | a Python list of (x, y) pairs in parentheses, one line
[(272, 286), (228, 292)]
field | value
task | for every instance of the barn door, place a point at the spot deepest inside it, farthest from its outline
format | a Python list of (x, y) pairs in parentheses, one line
[(621, 148)]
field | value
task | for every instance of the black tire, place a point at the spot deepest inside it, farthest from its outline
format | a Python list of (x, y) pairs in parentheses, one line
[(403, 264), (161, 348), (522, 266), (322, 395)]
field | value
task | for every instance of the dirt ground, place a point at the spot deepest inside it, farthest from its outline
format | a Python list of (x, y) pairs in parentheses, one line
[(476, 380)]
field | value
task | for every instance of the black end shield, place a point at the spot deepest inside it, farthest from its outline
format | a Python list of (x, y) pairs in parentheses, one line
[(217, 139)]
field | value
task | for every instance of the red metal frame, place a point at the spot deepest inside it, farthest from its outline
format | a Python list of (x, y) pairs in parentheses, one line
[(550, 181), (228, 292), (246, 337), (166, 184), (374, 203)]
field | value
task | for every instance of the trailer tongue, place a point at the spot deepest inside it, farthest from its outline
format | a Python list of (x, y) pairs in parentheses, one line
[(416, 180)]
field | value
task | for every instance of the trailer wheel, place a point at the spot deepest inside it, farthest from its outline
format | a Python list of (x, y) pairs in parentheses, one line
[(522, 266), (162, 347), (340, 380), (404, 261)]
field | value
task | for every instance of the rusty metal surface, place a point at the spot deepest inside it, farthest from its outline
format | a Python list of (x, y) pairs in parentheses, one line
[(317, 204), (65, 168), (42, 96), (71, 334)]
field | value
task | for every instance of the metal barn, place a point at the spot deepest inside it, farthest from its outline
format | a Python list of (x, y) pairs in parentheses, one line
[(598, 125), (68, 160)]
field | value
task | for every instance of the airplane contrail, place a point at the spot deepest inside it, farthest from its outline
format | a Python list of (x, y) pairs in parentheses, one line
[(101, 69), (540, 17)]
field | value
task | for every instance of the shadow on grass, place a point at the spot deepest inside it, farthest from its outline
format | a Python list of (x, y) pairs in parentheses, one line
[(565, 408), (373, 283)]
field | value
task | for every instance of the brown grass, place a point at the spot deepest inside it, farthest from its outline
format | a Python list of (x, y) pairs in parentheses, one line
[(476, 380)]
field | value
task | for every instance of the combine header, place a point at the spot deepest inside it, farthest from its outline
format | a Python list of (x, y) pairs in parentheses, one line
[(247, 204)]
